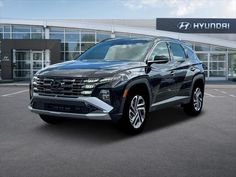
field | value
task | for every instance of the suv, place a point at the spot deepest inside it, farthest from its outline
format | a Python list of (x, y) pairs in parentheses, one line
[(120, 80)]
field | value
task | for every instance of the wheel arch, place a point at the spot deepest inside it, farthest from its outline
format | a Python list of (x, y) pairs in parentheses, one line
[(198, 79), (138, 84)]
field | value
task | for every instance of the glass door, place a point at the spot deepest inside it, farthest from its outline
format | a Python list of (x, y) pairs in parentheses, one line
[(37, 61), (22, 64), (27, 63), (218, 66)]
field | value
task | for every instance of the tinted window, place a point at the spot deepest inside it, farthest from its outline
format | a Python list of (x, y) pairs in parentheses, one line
[(177, 51), (161, 49)]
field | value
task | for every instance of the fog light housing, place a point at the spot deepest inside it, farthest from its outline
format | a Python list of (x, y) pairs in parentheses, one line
[(105, 95)]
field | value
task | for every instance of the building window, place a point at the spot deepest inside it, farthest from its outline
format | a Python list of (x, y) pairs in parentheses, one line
[(72, 47), (85, 46), (56, 30), (71, 55), (202, 47), (102, 36), (122, 35), (88, 36), (232, 65), (72, 37), (20, 29), (21, 35), (59, 36), (7, 28)]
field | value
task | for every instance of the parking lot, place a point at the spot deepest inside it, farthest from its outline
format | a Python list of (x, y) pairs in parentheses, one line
[(172, 143)]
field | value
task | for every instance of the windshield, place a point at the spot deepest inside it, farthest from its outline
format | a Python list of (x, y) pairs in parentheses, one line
[(121, 49)]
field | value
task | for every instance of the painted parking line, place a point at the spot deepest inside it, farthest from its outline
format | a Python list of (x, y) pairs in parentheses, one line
[(210, 95), (233, 96), (14, 93), (225, 93)]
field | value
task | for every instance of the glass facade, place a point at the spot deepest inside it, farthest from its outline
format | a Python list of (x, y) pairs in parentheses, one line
[(220, 62)]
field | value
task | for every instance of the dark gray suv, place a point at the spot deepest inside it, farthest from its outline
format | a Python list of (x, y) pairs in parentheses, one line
[(120, 80)]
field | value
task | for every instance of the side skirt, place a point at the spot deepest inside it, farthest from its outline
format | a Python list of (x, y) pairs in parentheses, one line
[(170, 102)]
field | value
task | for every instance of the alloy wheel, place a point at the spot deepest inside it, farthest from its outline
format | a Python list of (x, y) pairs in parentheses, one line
[(197, 99), (137, 111)]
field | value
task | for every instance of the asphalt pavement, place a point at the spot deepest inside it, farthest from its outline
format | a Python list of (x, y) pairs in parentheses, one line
[(172, 144)]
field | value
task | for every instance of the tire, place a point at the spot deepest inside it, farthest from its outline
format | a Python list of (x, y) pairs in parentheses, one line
[(194, 107), (50, 119), (135, 113)]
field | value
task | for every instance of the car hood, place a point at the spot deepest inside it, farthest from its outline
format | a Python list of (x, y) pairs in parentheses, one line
[(77, 68)]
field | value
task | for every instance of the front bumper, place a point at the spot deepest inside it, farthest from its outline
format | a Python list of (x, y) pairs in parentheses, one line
[(70, 107)]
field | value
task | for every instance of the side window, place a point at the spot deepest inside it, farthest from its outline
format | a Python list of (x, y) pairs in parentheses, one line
[(177, 51), (161, 49), (191, 54)]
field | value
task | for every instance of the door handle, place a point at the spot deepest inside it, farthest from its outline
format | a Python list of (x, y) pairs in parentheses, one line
[(192, 68), (172, 73)]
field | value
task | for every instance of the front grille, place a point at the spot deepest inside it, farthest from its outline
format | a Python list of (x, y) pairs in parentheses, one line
[(64, 86)]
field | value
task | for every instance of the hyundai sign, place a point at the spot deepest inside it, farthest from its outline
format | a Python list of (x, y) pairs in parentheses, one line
[(196, 25)]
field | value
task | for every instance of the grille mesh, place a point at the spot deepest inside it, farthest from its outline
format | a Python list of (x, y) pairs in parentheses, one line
[(63, 87)]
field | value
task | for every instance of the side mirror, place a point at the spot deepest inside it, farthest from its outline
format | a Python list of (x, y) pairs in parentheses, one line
[(159, 59)]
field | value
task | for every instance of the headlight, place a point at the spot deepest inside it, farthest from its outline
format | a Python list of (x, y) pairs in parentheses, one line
[(34, 80), (116, 79), (93, 80)]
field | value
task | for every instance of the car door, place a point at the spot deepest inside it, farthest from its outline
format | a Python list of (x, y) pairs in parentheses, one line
[(161, 74), (179, 68)]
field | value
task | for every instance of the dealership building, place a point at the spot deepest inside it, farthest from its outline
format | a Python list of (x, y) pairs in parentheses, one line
[(29, 45)]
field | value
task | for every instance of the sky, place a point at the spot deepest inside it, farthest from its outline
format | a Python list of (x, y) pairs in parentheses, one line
[(113, 9)]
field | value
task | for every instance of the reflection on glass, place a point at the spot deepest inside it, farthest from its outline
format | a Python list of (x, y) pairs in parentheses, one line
[(122, 35), (21, 35), (218, 48), (217, 57), (102, 36), (7, 28), (36, 29), (56, 29), (72, 30), (72, 47), (87, 36), (23, 74), (57, 36), (202, 47), (217, 66), (7, 36), (71, 55), (72, 37), (217, 73), (202, 56), (232, 65), (36, 36), (20, 28), (85, 46), (62, 56)]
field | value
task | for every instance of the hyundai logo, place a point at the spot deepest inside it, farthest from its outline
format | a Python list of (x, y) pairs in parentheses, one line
[(55, 85), (184, 25)]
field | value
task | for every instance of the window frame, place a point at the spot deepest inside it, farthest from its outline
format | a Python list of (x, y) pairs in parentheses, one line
[(153, 48)]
